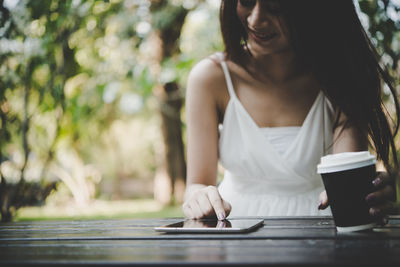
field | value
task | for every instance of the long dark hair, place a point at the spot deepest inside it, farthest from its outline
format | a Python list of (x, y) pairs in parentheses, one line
[(329, 40)]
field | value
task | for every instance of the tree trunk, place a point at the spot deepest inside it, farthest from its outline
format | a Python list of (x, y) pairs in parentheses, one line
[(172, 134), (170, 179)]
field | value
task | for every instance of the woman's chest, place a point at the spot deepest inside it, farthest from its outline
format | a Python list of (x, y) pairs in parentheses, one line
[(274, 107)]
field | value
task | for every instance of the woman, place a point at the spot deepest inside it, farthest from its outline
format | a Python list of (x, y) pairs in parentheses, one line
[(298, 80)]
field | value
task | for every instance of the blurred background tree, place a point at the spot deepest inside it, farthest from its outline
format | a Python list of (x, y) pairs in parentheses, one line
[(91, 94), (382, 19), (86, 88)]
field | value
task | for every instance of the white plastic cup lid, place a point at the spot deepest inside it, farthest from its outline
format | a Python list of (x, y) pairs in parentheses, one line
[(345, 161)]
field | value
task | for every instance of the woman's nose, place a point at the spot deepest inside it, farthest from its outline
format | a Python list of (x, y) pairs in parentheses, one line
[(257, 17)]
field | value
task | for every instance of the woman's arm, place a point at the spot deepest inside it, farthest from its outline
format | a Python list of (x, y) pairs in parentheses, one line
[(201, 197), (347, 138), (350, 139)]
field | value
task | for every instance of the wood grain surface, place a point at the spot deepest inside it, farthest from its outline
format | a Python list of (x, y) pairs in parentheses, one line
[(282, 241)]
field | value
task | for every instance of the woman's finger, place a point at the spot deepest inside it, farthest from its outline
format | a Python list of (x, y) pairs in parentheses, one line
[(382, 210), (197, 214), (380, 196), (227, 207), (381, 179), (187, 210), (216, 202), (205, 205), (323, 201)]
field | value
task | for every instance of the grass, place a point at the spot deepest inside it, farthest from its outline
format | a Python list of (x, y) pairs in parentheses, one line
[(100, 209)]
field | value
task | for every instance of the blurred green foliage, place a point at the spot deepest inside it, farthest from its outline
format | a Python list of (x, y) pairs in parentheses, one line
[(75, 76), (382, 19)]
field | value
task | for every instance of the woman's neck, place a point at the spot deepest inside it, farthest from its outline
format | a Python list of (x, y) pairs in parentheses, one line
[(277, 68)]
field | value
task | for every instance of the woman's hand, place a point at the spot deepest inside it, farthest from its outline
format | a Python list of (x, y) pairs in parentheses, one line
[(205, 201), (383, 201), (323, 201)]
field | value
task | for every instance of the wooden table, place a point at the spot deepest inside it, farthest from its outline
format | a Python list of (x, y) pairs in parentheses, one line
[(283, 241)]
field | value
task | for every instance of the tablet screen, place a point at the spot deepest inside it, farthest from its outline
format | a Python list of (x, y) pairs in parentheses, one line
[(212, 225)]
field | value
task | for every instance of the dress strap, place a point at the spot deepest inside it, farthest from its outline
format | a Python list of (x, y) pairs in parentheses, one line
[(227, 76), (323, 126)]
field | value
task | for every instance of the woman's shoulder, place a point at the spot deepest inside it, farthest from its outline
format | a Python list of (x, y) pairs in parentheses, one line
[(207, 74), (208, 68)]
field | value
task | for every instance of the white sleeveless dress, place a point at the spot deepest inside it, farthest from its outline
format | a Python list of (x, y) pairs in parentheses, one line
[(261, 181)]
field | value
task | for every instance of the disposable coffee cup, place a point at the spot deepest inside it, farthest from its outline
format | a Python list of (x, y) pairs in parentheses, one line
[(347, 178)]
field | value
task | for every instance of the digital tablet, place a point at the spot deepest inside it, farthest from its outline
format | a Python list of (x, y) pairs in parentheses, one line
[(212, 226)]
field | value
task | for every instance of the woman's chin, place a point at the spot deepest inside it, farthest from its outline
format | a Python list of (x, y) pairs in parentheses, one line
[(258, 51)]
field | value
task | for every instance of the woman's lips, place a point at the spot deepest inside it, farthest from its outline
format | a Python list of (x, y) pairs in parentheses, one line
[(262, 37)]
